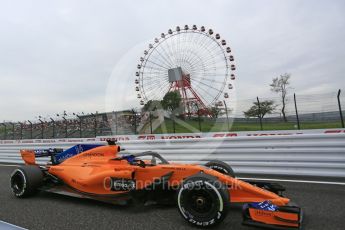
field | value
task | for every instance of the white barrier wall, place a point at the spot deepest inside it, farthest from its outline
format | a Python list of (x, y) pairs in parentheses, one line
[(276, 152)]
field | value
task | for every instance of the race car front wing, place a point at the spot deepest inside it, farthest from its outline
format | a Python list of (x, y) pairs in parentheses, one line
[(267, 215)]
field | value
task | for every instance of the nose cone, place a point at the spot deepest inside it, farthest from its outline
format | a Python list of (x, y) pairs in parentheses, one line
[(280, 201)]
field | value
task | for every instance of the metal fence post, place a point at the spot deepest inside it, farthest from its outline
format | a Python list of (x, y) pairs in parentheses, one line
[(116, 123), (21, 130), (42, 128), (340, 111), (66, 127), (260, 118), (95, 124), (30, 128), (80, 126), (199, 122), (135, 121), (298, 124), (53, 122), (13, 134)]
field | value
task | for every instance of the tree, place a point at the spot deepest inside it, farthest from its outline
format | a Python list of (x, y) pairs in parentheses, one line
[(216, 111), (171, 100), (281, 85), (266, 107), (151, 105)]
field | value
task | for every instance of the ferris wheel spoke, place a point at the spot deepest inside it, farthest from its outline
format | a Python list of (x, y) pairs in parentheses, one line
[(178, 38), (170, 51), (199, 59), (207, 51), (184, 56), (210, 73), (207, 91), (216, 63), (170, 61), (195, 47), (159, 92), (180, 48), (207, 85), (154, 68), (211, 45), (210, 80), (165, 62), (164, 67), (202, 95), (201, 50), (152, 83), (164, 89), (158, 73), (150, 68), (203, 46), (213, 57), (209, 60), (156, 86), (196, 60)]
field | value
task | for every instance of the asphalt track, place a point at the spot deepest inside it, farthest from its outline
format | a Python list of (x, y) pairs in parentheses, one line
[(323, 205)]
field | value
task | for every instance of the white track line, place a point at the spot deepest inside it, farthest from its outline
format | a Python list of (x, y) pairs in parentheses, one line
[(10, 226), (295, 181), (8, 166)]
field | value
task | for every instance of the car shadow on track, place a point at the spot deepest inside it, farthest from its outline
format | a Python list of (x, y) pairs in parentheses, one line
[(166, 213)]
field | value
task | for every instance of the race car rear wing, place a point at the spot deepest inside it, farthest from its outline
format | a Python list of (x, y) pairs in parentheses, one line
[(29, 156), (57, 155)]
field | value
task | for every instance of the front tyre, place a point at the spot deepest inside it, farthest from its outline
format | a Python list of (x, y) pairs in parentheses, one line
[(221, 166), (203, 200), (25, 181)]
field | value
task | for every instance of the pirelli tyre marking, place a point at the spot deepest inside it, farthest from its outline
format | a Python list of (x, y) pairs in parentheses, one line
[(15, 187), (188, 216), (218, 168)]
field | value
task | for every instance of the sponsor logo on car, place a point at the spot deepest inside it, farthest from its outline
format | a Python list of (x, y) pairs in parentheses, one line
[(122, 184)]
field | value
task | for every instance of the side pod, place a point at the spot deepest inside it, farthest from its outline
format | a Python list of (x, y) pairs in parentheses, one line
[(281, 217)]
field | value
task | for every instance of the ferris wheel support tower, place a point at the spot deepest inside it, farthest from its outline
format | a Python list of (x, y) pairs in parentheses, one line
[(181, 82)]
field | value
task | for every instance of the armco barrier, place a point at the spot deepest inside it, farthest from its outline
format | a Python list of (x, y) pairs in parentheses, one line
[(307, 154)]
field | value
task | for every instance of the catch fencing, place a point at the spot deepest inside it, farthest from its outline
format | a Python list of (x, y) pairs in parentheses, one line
[(311, 111), (321, 154)]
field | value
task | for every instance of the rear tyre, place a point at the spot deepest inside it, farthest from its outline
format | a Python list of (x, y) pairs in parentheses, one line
[(203, 200), (25, 181), (221, 166)]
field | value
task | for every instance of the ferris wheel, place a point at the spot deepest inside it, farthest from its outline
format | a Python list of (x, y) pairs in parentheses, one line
[(194, 61)]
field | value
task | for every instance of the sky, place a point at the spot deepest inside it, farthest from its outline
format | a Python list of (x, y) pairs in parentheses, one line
[(80, 56)]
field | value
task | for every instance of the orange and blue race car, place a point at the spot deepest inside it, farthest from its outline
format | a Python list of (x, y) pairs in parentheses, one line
[(202, 193)]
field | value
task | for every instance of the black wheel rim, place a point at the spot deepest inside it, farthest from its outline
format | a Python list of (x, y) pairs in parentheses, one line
[(17, 183), (201, 203)]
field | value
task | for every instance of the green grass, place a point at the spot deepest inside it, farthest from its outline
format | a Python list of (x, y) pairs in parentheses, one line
[(211, 126)]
